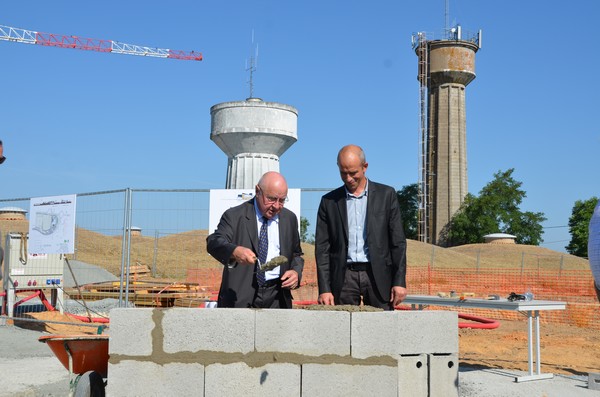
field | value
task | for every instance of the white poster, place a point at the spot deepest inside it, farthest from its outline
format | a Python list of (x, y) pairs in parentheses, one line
[(52, 225), (223, 199)]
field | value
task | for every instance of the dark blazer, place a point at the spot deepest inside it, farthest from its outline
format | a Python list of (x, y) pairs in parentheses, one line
[(385, 239), (238, 227)]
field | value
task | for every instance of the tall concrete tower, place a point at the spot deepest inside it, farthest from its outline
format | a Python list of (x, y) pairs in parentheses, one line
[(253, 134), (446, 67)]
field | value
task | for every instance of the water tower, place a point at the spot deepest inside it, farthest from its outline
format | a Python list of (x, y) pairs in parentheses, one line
[(446, 67), (253, 134)]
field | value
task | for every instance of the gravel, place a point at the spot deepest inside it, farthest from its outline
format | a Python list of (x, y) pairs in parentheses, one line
[(99, 308)]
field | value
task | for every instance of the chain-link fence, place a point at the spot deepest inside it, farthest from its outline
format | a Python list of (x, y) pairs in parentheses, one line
[(147, 248), (142, 246)]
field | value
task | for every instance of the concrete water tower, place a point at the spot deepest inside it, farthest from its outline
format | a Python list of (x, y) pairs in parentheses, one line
[(446, 67), (253, 134)]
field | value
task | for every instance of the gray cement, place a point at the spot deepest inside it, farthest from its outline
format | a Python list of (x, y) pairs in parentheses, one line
[(28, 368)]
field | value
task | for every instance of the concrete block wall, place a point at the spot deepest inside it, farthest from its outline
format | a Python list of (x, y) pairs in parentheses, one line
[(226, 352)]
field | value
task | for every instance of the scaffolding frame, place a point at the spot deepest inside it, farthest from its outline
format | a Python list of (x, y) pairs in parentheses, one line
[(424, 181)]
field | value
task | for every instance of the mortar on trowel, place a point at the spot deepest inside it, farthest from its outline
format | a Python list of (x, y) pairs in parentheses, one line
[(272, 264)]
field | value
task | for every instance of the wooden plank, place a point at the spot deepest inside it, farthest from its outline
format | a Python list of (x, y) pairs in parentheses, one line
[(191, 302), (163, 299)]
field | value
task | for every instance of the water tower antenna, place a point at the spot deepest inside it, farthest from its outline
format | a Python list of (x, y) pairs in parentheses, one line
[(447, 18), (251, 65)]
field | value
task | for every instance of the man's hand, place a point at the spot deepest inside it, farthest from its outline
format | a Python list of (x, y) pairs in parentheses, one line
[(326, 298), (398, 295), (290, 279), (243, 255)]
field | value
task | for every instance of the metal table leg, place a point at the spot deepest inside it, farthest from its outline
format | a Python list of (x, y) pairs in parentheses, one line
[(531, 315)]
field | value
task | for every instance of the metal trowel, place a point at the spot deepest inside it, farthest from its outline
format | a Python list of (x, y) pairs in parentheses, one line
[(273, 263)]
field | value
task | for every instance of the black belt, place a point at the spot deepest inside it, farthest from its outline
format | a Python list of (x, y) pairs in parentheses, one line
[(359, 266)]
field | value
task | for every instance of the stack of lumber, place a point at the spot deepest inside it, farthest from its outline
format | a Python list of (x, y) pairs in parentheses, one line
[(142, 293)]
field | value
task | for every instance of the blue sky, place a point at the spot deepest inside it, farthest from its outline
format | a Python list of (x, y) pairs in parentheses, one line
[(80, 121)]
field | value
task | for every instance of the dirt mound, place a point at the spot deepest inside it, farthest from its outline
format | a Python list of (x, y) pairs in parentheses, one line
[(519, 255)]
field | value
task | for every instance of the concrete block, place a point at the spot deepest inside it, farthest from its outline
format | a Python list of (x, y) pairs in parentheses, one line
[(222, 330), (131, 332), (403, 332), (594, 381), (413, 376), (238, 379), (143, 378), (343, 380), (443, 375), (308, 332)]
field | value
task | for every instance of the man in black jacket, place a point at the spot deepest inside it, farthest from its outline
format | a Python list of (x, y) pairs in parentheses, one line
[(360, 247)]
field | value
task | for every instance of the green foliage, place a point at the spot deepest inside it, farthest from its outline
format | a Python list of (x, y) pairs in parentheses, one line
[(304, 224), (579, 226), (408, 199), (495, 210)]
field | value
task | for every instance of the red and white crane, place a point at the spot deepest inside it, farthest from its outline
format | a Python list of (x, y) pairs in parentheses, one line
[(8, 33)]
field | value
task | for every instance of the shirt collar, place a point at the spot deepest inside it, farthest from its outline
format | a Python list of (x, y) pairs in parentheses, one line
[(259, 215), (364, 193)]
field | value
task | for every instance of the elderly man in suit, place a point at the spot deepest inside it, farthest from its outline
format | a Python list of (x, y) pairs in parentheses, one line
[(253, 233), (360, 246)]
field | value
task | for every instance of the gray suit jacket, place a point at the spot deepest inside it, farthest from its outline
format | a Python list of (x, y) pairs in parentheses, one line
[(238, 227), (385, 239)]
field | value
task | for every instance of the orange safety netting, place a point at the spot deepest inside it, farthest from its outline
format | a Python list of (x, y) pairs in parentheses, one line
[(572, 286)]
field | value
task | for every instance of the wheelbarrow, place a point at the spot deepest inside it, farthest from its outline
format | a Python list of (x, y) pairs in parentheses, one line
[(86, 359)]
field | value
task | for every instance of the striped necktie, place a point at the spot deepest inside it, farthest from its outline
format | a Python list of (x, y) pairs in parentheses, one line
[(263, 249)]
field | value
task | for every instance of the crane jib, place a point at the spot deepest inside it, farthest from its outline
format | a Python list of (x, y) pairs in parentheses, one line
[(8, 33)]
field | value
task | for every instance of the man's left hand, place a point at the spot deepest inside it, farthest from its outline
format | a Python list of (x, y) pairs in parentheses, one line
[(289, 279), (398, 295)]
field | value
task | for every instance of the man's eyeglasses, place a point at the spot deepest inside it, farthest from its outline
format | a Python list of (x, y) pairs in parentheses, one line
[(272, 200)]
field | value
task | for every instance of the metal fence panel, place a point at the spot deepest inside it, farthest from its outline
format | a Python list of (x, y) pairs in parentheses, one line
[(147, 247)]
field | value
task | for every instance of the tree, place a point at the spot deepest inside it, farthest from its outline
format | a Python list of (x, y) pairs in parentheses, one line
[(408, 198), (304, 224), (579, 226), (495, 210)]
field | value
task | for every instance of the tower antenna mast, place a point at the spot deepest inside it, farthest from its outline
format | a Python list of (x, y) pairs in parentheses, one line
[(447, 18), (251, 66)]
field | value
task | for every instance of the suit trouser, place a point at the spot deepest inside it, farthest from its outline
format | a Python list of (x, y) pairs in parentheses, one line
[(269, 297), (358, 284)]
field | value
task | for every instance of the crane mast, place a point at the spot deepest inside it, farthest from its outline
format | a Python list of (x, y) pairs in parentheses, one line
[(8, 33)]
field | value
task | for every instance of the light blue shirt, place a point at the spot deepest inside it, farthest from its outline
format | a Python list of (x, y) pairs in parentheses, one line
[(356, 207)]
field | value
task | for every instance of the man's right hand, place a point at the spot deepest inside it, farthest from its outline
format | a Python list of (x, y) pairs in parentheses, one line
[(326, 298), (243, 255)]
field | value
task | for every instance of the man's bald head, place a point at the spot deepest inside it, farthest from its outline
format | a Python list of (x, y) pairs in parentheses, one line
[(271, 193), (352, 164), (350, 151), (272, 179)]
